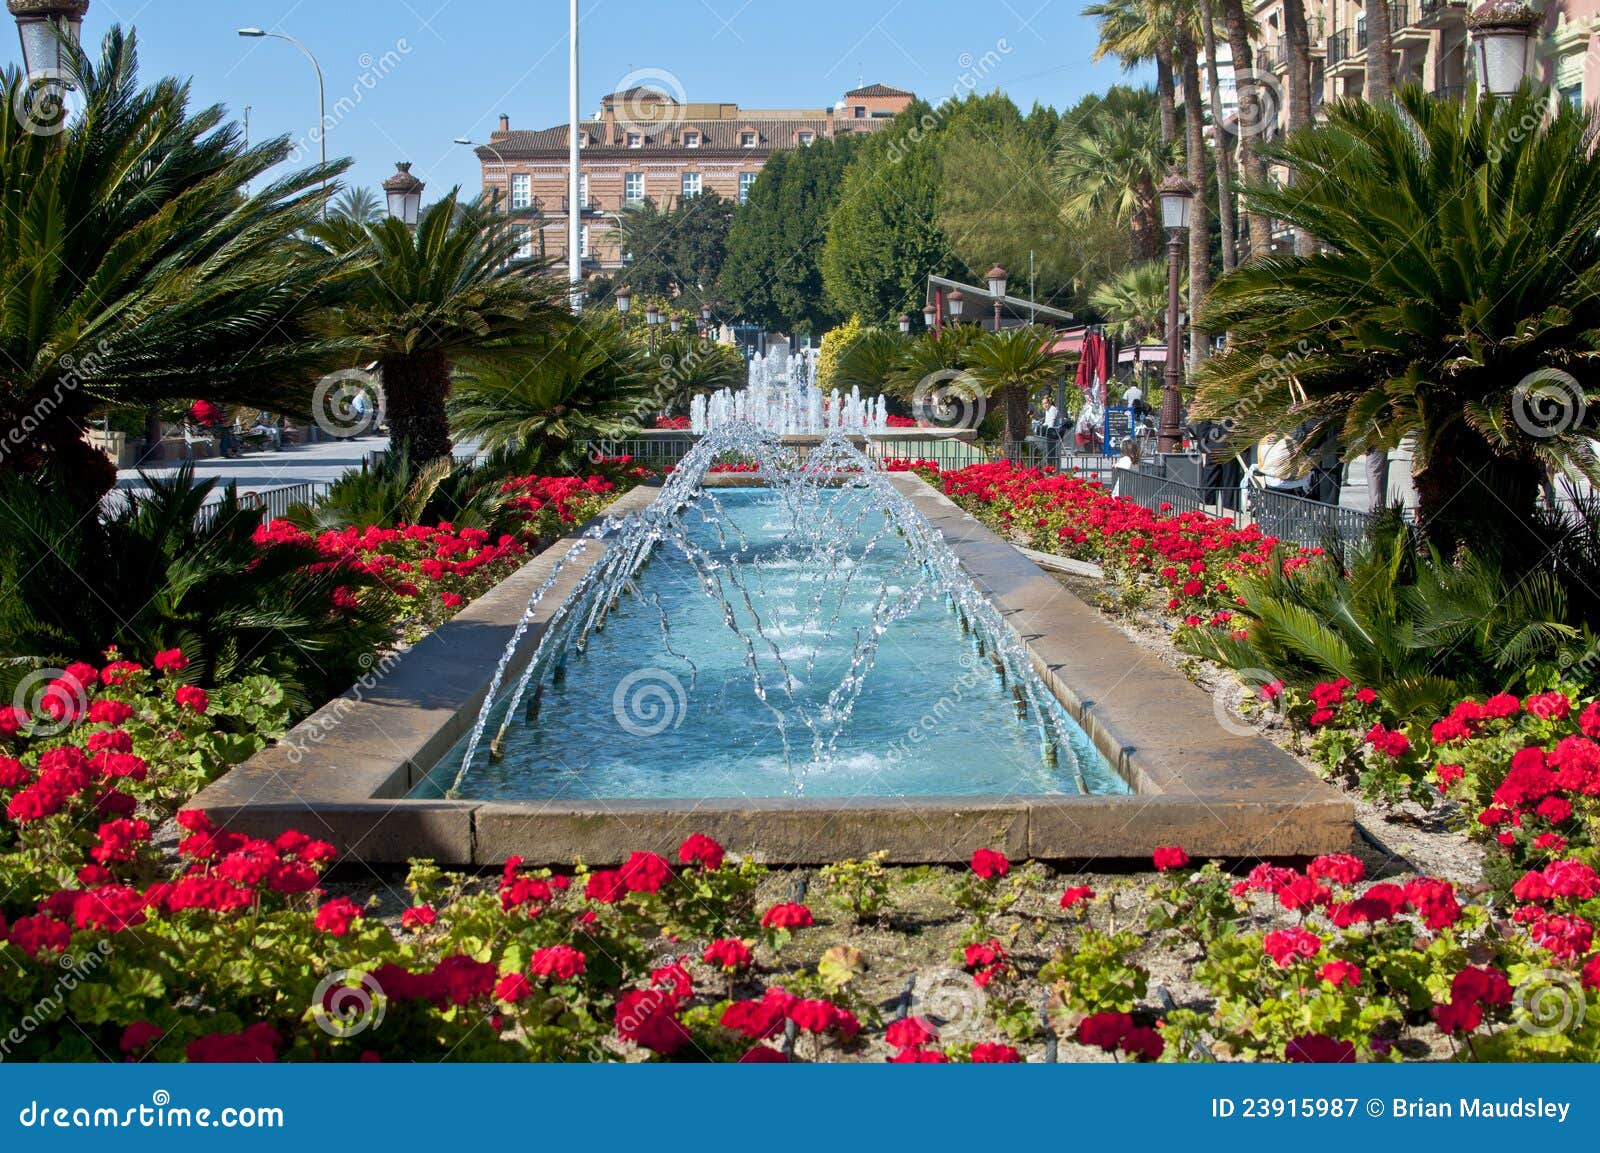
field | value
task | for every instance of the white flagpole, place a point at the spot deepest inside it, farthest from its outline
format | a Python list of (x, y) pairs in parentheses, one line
[(574, 209)]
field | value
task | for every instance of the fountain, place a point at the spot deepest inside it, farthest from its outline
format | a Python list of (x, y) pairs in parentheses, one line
[(753, 621), (781, 397)]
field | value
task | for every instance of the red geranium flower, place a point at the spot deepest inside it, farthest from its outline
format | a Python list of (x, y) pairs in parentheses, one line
[(1169, 857), (910, 1033), (990, 864), (1317, 1049), (786, 916), (702, 850)]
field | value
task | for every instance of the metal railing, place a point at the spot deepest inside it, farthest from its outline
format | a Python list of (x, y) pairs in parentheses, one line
[(1302, 521), (651, 451), (274, 502)]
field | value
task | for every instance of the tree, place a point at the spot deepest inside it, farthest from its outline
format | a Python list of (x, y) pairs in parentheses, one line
[(584, 380), (1219, 142), (135, 273), (1252, 168), (1297, 36), (1110, 164), (359, 204), (1199, 210), (687, 365), (678, 252), (997, 204), (1013, 364), (421, 301), (884, 238), (1141, 32), (1458, 302), (773, 273), (1134, 303), (1380, 65)]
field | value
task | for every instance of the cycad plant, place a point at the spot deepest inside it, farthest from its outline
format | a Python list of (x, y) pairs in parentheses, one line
[(687, 365), (1456, 302), (135, 271), (584, 381), (1134, 302), (423, 302), (1419, 628), (146, 578), (1013, 364), (870, 361), (393, 492)]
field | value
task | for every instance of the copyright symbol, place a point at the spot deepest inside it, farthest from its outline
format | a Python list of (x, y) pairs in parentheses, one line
[(1375, 1108)]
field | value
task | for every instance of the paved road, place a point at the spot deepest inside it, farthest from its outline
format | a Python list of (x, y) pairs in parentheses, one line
[(253, 472)]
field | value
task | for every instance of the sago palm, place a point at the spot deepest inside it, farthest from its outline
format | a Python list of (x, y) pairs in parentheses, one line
[(584, 381), (134, 270), (1456, 302), (423, 301), (871, 361), (689, 365), (1013, 364)]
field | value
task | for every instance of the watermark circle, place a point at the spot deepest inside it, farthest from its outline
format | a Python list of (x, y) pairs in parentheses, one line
[(51, 700), (1547, 403), (342, 1008), (348, 402), (649, 98), (45, 102), (648, 702), (950, 398)]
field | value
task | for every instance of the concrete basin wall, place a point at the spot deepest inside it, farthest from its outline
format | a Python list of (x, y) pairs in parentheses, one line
[(344, 773)]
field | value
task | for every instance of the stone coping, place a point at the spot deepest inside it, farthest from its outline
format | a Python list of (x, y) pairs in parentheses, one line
[(343, 774)]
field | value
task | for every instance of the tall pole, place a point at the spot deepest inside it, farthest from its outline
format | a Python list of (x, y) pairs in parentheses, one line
[(322, 95), (1169, 435), (575, 210)]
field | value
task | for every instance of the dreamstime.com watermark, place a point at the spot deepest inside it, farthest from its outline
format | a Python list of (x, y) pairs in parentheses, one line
[(74, 372), (158, 1113), (75, 970), (974, 70), (948, 705), (374, 71)]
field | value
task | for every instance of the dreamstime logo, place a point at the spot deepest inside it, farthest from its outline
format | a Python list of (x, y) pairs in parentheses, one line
[(1548, 402), (949, 398), (374, 70), (1547, 1002), (1262, 118), (348, 402), (46, 101), (650, 98), (1254, 694), (951, 1001), (343, 1009), (648, 702), (52, 700)]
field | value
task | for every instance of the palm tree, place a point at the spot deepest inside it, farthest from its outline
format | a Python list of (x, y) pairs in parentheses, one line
[(584, 381), (134, 272), (1111, 164), (1012, 364), (1252, 168), (1380, 65), (871, 360), (1134, 303), (1141, 32), (1219, 140), (358, 204), (423, 301), (1458, 302)]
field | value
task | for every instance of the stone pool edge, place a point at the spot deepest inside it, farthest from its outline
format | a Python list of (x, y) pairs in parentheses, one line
[(343, 773)]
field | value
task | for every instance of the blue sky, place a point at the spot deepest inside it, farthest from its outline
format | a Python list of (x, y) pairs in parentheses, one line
[(415, 74)]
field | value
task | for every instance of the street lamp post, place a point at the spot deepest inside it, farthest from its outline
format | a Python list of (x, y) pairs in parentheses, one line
[(470, 143), (705, 320), (1177, 197), (905, 323), (652, 320), (405, 194), (929, 314), (957, 301), (997, 289), (624, 300), (45, 27), (675, 324), (322, 97), (1503, 35)]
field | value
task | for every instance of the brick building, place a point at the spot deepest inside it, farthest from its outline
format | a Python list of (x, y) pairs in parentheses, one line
[(644, 145)]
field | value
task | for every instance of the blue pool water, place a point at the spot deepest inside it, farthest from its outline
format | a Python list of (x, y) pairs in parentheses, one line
[(648, 712)]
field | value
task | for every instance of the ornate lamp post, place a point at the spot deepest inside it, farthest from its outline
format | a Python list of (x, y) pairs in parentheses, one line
[(675, 324), (705, 320), (997, 289), (957, 302), (44, 27), (1503, 36), (405, 195), (905, 324), (652, 319), (1177, 197), (624, 300), (929, 314)]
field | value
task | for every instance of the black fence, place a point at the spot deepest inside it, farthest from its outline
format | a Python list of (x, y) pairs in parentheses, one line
[(274, 502)]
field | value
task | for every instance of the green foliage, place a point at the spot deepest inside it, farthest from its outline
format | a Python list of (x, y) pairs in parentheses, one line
[(678, 251), (689, 365), (146, 579), (1109, 163), (393, 492), (1013, 364), (859, 888), (1134, 302), (1098, 973), (133, 270), (772, 275), (836, 345), (1460, 264), (582, 381), (883, 238)]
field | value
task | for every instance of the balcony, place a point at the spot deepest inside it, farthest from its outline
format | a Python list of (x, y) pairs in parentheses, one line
[(533, 208), (1405, 24), (589, 205), (1270, 58), (1435, 11), (1346, 49)]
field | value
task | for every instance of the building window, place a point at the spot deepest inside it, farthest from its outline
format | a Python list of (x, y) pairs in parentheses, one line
[(747, 140), (521, 190), (583, 242), (633, 187), (807, 138), (583, 190), (1573, 94), (746, 179), (861, 111), (524, 237), (635, 140), (691, 140), (691, 185)]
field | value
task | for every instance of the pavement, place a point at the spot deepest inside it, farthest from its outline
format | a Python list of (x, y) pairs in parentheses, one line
[(257, 471)]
